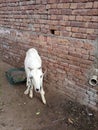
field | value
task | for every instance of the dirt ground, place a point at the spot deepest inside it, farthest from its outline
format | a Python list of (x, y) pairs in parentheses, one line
[(19, 112)]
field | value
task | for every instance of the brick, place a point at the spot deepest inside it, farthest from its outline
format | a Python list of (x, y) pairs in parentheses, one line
[(52, 17), (53, 27), (59, 17), (66, 5), (89, 5), (73, 5), (75, 29), (71, 17), (77, 24), (79, 35), (66, 11), (82, 30), (65, 33), (54, 6), (87, 12), (87, 18), (81, 5), (65, 17), (68, 28), (48, 6), (79, 18), (93, 25), (53, 11), (88, 46), (57, 33), (93, 12), (65, 1), (95, 4), (52, 1), (64, 23), (90, 31), (91, 37), (95, 31), (80, 1), (94, 18), (60, 5)]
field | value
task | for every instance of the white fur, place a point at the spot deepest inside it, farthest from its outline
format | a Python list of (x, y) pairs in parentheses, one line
[(33, 69)]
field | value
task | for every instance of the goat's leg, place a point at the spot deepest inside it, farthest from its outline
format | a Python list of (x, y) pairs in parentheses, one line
[(31, 92), (42, 92), (28, 87)]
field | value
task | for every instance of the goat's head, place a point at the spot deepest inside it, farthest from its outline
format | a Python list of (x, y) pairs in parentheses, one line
[(36, 78)]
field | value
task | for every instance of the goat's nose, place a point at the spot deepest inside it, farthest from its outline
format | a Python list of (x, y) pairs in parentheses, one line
[(37, 89)]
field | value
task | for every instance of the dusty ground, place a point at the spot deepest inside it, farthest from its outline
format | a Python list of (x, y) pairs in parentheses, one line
[(19, 112)]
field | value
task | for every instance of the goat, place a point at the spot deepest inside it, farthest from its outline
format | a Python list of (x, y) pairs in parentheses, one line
[(34, 74)]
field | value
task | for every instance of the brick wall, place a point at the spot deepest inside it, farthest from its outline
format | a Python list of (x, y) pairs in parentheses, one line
[(64, 32)]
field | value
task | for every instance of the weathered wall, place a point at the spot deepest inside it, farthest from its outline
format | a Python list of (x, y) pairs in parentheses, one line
[(64, 32)]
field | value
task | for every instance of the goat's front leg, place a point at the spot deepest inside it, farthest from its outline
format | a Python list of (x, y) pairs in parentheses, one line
[(31, 92), (42, 92), (28, 84)]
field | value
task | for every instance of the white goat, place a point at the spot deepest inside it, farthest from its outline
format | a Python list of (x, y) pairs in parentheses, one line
[(33, 69)]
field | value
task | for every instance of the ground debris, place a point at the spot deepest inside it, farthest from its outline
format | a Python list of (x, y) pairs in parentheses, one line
[(78, 116)]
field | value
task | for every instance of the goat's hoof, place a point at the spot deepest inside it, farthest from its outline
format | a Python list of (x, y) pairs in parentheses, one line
[(31, 95), (44, 102), (26, 92)]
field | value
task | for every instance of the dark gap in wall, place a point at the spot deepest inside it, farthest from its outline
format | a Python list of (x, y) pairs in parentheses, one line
[(52, 31)]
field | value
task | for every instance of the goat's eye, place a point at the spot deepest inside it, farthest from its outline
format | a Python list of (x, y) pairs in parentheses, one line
[(39, 68), (41, 76)]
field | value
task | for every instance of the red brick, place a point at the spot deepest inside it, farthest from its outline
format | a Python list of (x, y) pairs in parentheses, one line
[(93, 12), (81, 5), (52, 1), (89, 5), (88, 46), (68, 29), (65, 33), (93, 25), (79, 35), (71, 17), (77, 24), (81, 12), (95, 4), (66, 5), (82, 30), (90, 31), (66, 11), (87, 18), (79, 18), (57, 33), (54, 6), (65, 17), (73, 5), (91, 37), (75, 29), (60, 5), (94, 18)]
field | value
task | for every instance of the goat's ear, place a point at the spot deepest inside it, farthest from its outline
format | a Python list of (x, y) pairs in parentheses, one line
[(44, 72)]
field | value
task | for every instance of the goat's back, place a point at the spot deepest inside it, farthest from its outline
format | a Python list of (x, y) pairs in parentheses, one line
[(32, 59)]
